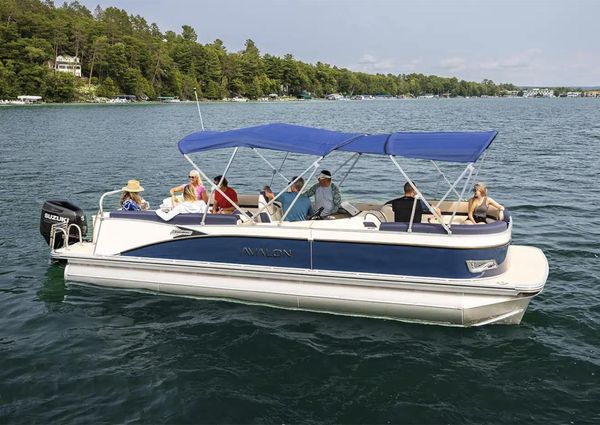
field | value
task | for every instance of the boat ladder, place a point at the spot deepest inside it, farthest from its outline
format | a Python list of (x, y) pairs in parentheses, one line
[(65, 229)]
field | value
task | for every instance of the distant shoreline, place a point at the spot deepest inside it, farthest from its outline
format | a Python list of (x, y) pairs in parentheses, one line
[(188, 102)]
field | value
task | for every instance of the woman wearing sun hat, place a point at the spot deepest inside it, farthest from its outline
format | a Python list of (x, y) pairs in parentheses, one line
[(131, 199)]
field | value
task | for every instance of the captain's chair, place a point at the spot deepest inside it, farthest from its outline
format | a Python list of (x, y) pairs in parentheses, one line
[(388, 213), (271, 213)]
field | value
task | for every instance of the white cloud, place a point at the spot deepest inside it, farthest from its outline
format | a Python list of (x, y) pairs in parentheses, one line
[(521, 60), (453, 64), (367, 59), (410, 66), (372, 64)]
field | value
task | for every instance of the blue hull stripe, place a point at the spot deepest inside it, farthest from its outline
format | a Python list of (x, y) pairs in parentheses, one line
[(402, 259), (334, 256), (235, 250)]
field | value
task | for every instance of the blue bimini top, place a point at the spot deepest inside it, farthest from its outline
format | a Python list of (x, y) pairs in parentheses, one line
[(465, 146), (279, 137)]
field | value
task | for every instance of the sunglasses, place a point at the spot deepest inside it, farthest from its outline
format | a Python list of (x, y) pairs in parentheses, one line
[(191, 177)]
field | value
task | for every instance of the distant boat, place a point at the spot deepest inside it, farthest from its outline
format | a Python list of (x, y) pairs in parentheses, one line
[(334, 96), (239, 99), (169, 99), (123, 98), (25, 100)]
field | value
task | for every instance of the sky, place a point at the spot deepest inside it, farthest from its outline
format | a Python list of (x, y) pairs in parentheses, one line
[(525, 42)]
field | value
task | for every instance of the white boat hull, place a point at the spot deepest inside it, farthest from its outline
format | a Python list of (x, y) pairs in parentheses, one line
[(501, 299)]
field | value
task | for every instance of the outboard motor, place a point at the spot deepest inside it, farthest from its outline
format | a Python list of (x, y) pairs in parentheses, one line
[(58, 211)]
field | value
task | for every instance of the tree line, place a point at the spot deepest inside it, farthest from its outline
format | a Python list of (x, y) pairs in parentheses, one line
[(124, 54)]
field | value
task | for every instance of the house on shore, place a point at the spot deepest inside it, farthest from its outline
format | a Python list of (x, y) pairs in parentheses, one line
[(537, 92), (68, 64), (27, 99)]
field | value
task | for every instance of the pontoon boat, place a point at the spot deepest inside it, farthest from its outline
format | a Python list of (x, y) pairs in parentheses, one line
[(356, 262)]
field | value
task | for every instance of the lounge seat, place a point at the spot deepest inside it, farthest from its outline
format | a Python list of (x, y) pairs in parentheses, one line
[(457, 229)]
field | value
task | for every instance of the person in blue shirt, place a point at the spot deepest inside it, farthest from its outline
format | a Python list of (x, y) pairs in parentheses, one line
[(302, 207), (131, 199)]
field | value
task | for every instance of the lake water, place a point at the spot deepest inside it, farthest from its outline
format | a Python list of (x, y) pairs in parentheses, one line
[(78, 354)]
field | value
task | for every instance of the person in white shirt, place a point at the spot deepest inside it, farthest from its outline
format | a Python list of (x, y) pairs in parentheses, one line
[(190, 204), (327, 195)]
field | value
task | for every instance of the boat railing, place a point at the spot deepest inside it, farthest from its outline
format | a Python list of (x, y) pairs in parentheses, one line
[(98, 218), (101, 203), (104, 195)]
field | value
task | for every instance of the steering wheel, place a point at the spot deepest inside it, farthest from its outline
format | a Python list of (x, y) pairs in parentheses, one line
[(316, 215)]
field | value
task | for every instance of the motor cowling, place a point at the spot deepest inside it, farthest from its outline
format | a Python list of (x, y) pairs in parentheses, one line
[(59, 211)]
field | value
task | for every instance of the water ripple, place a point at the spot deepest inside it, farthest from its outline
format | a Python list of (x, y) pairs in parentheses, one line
[(75, 353)]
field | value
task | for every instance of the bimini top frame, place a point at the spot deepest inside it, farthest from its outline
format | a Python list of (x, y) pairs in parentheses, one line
[(461, 147)]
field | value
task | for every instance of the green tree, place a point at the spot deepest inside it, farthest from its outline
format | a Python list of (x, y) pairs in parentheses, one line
[(99, 48), (133, 82), (31, 80), (60, 87), (213, 90), (188, 33), (117, 61), (140, 59), (251, 63), (8, 82), (107, 88)]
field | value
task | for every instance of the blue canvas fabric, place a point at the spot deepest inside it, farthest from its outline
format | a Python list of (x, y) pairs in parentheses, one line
[(279, 137), (464, 146), (441, 146)]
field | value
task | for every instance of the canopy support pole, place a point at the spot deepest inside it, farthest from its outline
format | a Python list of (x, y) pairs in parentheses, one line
[(299, 193), (471, 169), (453, 186), (280, 168), (480, 165), (268, 204), (198, 106), (419, 194), (345, 162), (221, 182), (228, 166), (412, 214), (445, 178), (349, 169), (214, 186), (275, 171)]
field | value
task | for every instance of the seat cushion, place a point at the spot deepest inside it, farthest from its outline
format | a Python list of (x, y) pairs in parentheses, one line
[(457, 229)]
